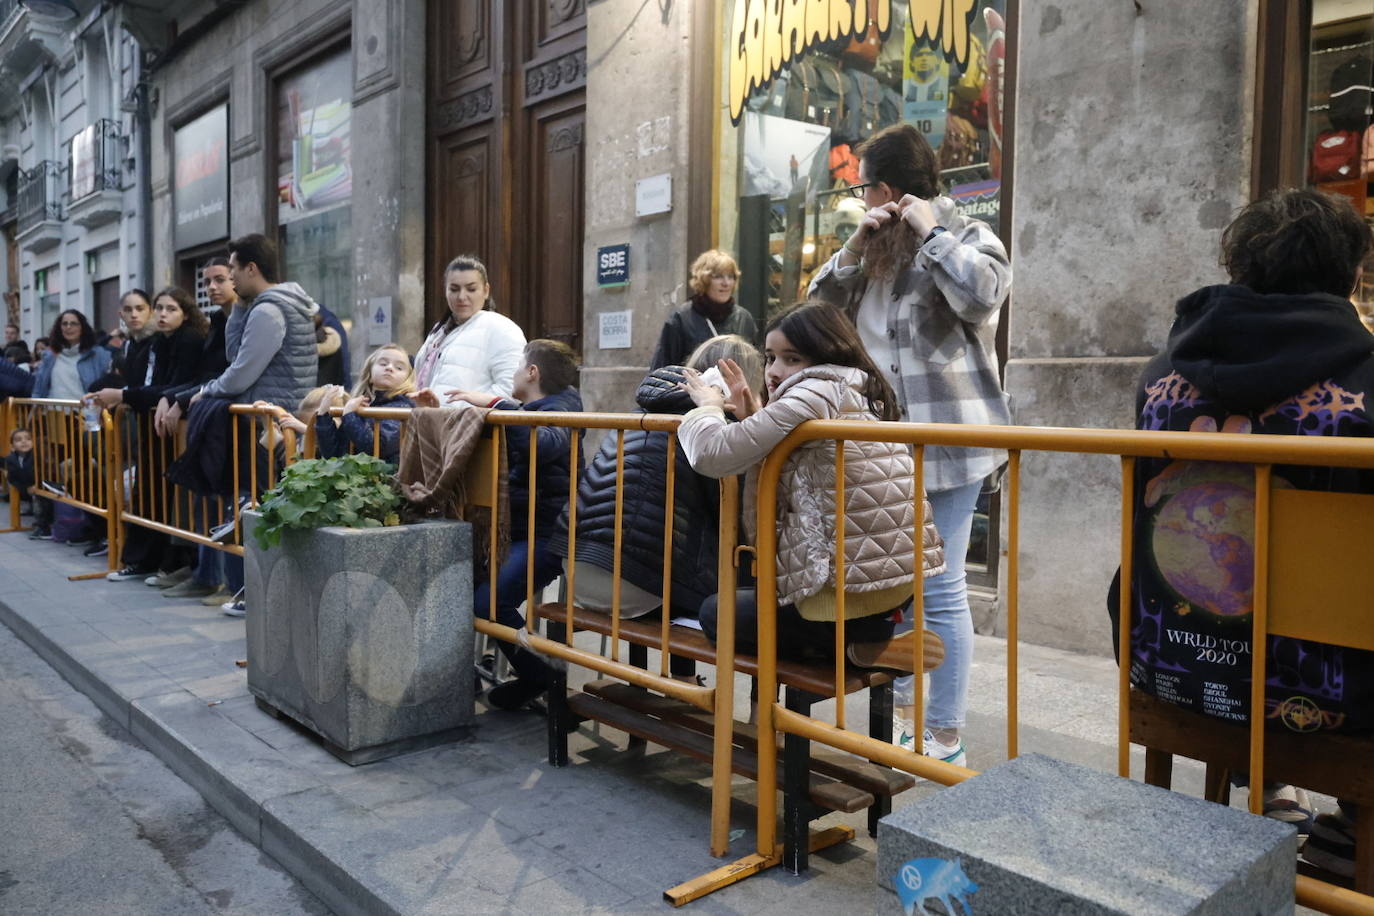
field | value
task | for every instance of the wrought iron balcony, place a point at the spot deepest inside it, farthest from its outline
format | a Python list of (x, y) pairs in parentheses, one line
[(95, 174), (40, 206)]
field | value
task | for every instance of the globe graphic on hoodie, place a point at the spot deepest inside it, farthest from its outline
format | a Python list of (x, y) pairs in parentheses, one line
[(1202, 536)]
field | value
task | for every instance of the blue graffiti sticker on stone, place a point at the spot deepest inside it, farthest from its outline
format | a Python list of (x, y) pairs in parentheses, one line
[(924, 879)]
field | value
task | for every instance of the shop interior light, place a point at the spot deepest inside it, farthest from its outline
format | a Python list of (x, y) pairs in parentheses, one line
[(809, 248), (51, 9)]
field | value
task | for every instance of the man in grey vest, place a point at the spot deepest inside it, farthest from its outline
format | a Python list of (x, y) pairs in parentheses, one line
[(270, 337)]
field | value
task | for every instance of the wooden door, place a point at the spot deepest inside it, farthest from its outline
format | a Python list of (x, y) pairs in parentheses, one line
[(506, 162)]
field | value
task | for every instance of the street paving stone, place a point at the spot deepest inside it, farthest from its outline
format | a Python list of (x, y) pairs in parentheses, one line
[(483, 824)]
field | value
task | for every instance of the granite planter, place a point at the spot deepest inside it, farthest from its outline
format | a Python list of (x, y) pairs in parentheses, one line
[(364, 635)]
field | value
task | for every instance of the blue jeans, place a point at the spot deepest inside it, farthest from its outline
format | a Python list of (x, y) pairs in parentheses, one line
[(510, 594), (233, 572), (946, 613)]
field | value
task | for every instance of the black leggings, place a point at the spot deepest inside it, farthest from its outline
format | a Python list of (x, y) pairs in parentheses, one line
[(799, 639)]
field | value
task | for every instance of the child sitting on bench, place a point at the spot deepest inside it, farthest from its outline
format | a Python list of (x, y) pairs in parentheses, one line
[(545, 381)]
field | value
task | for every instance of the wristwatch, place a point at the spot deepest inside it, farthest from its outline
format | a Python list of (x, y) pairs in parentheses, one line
[(934, 232)]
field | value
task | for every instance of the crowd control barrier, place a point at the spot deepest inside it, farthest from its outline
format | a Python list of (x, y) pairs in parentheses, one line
[(1293, 531), (70, 461), (86, 469)]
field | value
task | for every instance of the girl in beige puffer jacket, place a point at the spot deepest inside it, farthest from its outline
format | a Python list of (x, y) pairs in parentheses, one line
[(818, 369)]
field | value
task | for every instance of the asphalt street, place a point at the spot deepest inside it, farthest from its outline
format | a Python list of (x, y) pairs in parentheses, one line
[(94, 823)]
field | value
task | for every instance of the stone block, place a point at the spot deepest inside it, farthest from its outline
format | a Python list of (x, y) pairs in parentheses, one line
[(364, 636), (1038, 835)]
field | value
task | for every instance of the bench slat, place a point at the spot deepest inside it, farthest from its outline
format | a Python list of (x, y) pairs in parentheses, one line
[(689, 643), (862, 774), (824, 792)]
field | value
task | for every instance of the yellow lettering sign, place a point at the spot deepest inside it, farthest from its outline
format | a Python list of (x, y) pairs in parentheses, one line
[(945, 24), (767, 35)]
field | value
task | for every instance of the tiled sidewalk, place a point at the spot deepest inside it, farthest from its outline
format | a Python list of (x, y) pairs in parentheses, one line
[(484, 825)]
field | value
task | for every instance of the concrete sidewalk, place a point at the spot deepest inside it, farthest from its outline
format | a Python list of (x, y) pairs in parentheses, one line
[(484, 825)]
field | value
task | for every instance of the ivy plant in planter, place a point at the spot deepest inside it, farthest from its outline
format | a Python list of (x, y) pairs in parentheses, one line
[(359, 627), (355, 491)]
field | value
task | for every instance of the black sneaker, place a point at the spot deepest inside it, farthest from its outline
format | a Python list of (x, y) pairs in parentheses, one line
[(39, 533), (513, 695), (1331, 845), (128, 572), (84, 540), (96, 550)]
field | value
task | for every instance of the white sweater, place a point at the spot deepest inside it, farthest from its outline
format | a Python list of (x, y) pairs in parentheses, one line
[(481, 354)]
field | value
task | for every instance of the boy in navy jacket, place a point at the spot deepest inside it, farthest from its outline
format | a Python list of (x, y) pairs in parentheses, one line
[(545, 381)]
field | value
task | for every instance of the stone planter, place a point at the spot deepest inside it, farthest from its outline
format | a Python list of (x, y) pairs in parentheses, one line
[(364, 635)]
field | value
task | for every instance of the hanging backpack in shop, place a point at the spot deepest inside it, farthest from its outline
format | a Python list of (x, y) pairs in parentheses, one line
[(1367, 153), (1352, 88), (772, 101), (863, 106), (1336, 156), (829, 97)]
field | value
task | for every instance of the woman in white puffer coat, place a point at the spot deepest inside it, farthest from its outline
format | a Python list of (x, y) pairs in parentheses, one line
[(817, 369), (474, 348)]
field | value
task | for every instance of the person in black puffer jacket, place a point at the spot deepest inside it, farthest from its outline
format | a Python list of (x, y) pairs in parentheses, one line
[(695, 504)]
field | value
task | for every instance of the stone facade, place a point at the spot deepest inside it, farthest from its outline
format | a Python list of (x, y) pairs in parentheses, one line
[(237, 55), (1120, 197)]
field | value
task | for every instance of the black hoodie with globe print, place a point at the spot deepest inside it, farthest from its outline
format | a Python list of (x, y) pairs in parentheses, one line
[(1242, 362)]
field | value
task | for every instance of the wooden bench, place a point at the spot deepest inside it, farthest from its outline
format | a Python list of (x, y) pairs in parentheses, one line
[(1326, 762), (814, 783)]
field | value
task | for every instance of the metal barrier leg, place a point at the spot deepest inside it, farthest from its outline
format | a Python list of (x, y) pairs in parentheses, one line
[(557, 702), (639, 657), (880, 727), (796, 787)]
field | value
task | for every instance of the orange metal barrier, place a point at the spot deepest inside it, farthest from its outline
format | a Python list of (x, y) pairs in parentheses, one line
[(718, 700), (151, 501), (1129, 445), (71, 462)]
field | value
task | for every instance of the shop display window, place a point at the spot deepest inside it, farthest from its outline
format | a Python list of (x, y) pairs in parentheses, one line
[(803, 84), (1340, 115), (791, 128), (315, 181)]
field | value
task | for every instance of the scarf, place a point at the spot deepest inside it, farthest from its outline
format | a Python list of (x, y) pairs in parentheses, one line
[(712, 311)]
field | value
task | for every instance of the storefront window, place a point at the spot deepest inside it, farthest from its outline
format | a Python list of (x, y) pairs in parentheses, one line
[(1340, 110), (805, 85), (315, 182), (791, 129)]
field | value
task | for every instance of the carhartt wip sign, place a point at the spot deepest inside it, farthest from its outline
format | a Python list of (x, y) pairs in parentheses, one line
[(200, 198)]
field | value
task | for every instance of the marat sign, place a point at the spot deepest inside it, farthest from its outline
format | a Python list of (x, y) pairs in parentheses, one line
[(766, 35)]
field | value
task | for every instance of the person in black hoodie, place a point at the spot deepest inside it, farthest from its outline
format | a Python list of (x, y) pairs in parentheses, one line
[(172, 358), (1279, 351), (695, 503), (544, 382)]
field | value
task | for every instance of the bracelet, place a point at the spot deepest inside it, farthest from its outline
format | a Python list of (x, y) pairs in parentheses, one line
[(494, 401), (857, 254)]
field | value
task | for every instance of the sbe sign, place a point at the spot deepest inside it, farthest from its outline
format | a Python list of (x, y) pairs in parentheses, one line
[(765, 35)]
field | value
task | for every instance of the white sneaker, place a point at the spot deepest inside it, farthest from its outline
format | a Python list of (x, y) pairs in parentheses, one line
[(903, 733), (945, 753)]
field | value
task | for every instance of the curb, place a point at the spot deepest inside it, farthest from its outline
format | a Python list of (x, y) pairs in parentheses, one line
[(338, 888)]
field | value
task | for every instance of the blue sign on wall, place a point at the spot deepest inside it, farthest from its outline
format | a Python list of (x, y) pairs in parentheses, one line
[(613, 265)]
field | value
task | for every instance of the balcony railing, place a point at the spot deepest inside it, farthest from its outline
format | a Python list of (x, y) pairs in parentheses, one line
[(93, 160), (40, 195)]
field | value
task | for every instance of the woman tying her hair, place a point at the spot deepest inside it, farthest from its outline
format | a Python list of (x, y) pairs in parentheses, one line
[(924, 285)]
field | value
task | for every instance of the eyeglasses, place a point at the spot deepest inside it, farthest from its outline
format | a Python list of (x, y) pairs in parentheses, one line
[(71, 324), (857, 190)]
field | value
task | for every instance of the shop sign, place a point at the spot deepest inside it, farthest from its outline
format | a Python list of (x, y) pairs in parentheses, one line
[(615, 330), (765, 35), (613, 265), (84, 163), (200, 195), (379, 321), (980, 200)]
